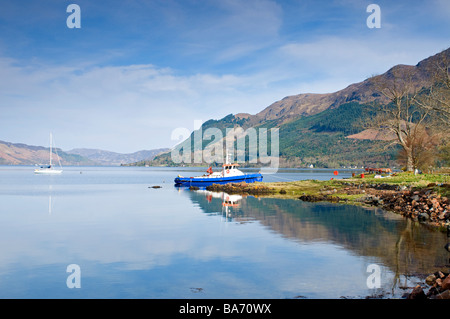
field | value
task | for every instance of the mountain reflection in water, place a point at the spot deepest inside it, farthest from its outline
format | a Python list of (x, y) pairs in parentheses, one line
[(405, 247)]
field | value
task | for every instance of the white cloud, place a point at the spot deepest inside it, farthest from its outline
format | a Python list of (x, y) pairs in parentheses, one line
[(120, 108)]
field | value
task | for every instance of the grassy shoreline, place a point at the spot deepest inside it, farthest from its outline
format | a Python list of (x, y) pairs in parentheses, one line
[(293, 189), (404, 193)]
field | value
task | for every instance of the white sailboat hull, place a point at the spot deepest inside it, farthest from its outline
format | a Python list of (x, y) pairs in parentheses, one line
[(49, 171)]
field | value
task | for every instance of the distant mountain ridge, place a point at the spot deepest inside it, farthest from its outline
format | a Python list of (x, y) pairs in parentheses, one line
[(23, 154), (306, 104), (112, 158)]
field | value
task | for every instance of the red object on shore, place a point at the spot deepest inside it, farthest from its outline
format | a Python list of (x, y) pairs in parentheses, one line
[(362, 175)]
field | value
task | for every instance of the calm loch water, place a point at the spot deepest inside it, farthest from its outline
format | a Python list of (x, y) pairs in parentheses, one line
[(130, 240)]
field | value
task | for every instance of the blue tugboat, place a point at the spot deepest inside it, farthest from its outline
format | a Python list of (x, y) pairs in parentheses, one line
[(229, 174)]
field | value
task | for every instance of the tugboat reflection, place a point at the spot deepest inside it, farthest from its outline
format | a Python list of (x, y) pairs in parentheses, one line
[(230, 203)]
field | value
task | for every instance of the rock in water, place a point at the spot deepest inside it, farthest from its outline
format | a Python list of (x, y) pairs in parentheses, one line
[(446, 283), (430, 280), (443, 295), (417, 293)]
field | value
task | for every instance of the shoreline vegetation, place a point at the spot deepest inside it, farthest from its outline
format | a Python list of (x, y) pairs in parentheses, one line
[(424, 198)]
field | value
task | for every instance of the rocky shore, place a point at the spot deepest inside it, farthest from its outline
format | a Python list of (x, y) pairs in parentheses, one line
[(420, 204), (437, 286)]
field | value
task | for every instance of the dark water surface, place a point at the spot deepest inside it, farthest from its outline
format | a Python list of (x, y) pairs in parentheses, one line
[(133, 241)]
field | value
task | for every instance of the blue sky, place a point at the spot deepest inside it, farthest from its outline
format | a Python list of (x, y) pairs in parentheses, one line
[(137, 70)]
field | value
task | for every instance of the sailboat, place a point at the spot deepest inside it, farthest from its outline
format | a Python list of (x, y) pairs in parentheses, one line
[(48, 169)]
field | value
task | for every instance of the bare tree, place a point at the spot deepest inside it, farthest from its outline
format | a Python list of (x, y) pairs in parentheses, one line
[(423, 144), (444, 153), (400, 115), (436, 99)]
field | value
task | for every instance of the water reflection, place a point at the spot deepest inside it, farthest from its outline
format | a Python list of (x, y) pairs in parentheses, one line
[(50, 203), (134, 241), (405, 247), (229, 202)]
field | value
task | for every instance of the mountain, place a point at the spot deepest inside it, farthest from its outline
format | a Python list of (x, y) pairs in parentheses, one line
[(111, 158), (23, 154), (364, 92), (326, 129)]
